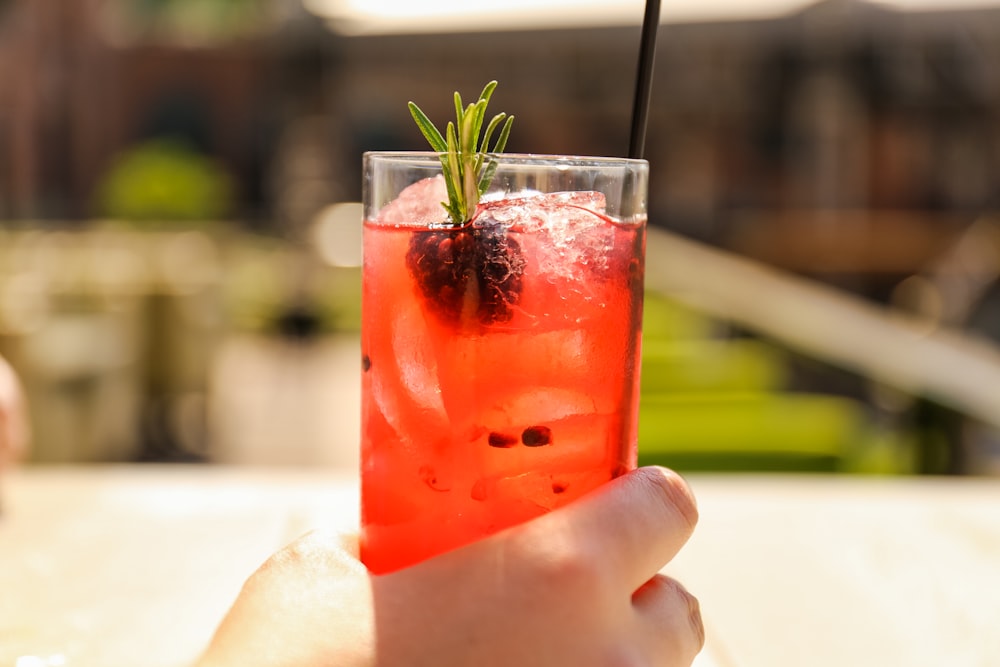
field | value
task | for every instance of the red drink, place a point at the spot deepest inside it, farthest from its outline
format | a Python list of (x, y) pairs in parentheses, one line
[(500, 368)]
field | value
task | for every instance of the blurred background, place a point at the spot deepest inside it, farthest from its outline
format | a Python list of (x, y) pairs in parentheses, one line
[(179, 238)]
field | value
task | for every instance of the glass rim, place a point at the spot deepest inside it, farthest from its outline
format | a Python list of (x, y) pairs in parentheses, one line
[(534, 159)]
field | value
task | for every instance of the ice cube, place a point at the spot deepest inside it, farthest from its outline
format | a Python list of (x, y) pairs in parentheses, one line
[(417, 365), (544, 489), (404, 380), (530, 211), (537, 406), (592, 201), (419, 204), (568, 245), (567, 231)]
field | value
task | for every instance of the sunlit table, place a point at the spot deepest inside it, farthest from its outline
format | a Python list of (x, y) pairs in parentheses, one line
[(127, 565)]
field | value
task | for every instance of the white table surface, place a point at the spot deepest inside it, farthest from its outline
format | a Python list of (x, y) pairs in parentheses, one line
[(127, 565)]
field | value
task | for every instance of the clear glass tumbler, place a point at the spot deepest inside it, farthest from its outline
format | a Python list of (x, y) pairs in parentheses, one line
[(500, 357)]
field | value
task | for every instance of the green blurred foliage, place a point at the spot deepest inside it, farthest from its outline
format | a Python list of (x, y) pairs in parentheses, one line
[(165, 181), (204, 21), (712, 400)]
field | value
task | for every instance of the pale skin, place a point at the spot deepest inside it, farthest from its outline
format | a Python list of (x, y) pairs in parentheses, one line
[(579, 586), (14, 429)]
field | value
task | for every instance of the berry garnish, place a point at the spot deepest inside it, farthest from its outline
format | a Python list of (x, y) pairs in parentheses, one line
[(537, 436), (473, 268), (467, 272)]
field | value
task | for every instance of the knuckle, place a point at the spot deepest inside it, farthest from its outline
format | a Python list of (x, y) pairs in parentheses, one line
[(669, 488), (303, 551), (571, 568), (681, 612), (691, 610), (694, 618), (566, 566)]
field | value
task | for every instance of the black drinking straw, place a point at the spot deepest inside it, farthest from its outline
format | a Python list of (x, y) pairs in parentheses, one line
[(644, 79)]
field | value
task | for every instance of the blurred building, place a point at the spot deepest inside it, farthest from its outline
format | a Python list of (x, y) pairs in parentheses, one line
[(844, 106), (846, 140), (83, 82)]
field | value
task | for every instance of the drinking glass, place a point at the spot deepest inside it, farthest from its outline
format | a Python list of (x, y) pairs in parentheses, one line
[(500, 357)]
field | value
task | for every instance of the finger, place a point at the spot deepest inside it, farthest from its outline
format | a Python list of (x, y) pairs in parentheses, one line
[(636, 523), (350, 543), (319, 550), (669, 619)]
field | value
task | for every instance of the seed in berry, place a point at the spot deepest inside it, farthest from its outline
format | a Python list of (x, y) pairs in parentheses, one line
[(537, 436), (501, 440), (366, 362)]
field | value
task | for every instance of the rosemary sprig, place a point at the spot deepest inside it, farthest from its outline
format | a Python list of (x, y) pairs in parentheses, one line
[(466, 159)]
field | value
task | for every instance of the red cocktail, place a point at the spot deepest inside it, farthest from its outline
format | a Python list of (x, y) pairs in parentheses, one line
[(500, 357)]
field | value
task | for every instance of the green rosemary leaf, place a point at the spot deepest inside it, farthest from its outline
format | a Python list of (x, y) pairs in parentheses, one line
[(479, 113), (457, 173), (504, 136), (467, 164), (487, 175), (449, 181), (459, 109), (428, 129), (490, 129), (488, 92), (471, 193), (469, 134)]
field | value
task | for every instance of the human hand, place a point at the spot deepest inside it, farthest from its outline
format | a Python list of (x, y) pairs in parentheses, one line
[(14, 429), (578, 586)]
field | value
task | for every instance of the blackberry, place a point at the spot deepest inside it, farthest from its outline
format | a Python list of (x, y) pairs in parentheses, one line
[(473, 270)]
